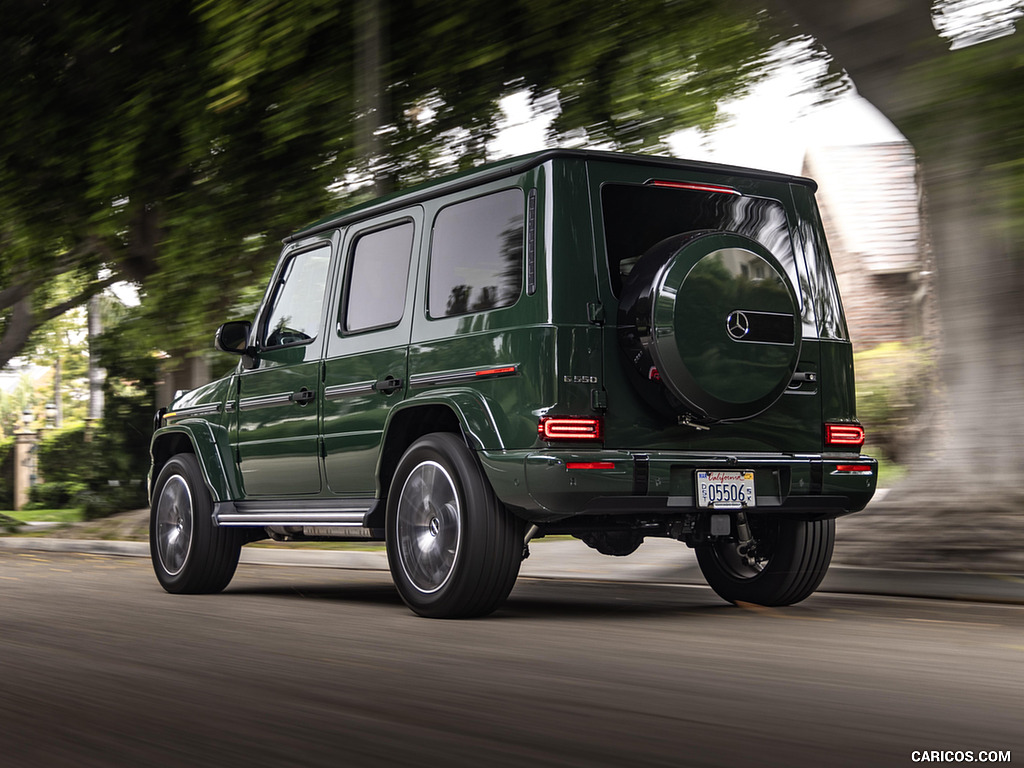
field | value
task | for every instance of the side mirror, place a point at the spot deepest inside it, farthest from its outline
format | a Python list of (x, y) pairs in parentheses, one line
[(233, 337)]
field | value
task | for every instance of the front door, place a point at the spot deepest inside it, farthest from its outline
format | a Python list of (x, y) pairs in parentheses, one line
[(278, 402)]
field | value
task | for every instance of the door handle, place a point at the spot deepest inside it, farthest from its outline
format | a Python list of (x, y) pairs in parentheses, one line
[(388, 385), (303, 396)]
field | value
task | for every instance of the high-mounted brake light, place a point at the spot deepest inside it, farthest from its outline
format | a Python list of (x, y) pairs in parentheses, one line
[(844, 435), (569, 428), (696, 187)]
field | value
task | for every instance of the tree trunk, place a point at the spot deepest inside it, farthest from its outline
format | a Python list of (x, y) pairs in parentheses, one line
[(58, 395), (371, 101), (962, 504), (96, 373)]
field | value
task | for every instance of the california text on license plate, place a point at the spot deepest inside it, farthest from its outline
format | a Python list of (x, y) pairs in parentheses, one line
[(725, 490)]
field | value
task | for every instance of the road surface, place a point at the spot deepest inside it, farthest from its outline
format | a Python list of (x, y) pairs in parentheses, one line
[(297, 666)]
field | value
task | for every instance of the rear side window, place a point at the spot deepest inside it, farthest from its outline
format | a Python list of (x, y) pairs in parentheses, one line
[(476, 255), (378, 276), (827, 306)]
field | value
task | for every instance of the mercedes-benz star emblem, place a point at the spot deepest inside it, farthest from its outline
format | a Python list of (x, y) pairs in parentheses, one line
[(738, 325)]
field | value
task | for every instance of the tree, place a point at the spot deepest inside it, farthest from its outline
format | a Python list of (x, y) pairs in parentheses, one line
[(121, 151), (174, 144), (961, 110)]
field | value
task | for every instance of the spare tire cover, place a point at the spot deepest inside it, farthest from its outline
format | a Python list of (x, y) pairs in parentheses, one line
[(710, 325)]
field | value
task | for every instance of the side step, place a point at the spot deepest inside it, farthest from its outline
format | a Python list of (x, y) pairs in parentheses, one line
[(349, 516)]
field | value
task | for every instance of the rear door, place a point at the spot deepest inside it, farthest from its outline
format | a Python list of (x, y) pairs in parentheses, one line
[(639, 206), (366, 366)]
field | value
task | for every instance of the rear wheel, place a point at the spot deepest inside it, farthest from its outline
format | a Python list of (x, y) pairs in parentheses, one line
[(453, 549), (788, 562), (190, 555)]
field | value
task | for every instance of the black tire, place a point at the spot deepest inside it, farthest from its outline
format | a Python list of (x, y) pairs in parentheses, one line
[(792, 559), (190, 554), (453, 549)]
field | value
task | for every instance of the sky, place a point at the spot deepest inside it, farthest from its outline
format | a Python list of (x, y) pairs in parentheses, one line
[(779, 120), (771, 128)]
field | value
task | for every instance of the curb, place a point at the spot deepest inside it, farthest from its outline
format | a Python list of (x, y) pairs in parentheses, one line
[(657, 562)]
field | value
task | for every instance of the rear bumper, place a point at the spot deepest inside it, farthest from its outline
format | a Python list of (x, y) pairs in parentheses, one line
[(549, 485)]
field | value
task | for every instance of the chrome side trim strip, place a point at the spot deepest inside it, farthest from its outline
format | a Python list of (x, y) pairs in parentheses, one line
[(334, 513), (317, 519), (452, 377), (265, 401), (336, 391)]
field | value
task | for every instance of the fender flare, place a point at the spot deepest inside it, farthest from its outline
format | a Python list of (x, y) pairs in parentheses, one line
[(209, 443), (478, 420)]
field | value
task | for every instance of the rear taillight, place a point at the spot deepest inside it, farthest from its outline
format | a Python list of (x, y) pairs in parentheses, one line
[(844, 436), (569, 428)]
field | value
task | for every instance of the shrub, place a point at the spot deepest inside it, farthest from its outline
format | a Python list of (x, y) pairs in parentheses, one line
[(103, 472), (7, 473), (111, 500), (61, 494), (894, 381), (67, 456)]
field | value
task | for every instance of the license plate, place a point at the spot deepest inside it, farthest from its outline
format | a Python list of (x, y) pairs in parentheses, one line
[(725, 490)]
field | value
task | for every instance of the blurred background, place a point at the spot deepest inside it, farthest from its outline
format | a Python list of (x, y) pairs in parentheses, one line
[(153, 154)]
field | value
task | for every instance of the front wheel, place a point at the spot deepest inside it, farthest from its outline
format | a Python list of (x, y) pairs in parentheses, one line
[(453, 549), (788, 562), (190, 554)]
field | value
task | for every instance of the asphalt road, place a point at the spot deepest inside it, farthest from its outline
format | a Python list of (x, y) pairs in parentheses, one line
[(310, 666)]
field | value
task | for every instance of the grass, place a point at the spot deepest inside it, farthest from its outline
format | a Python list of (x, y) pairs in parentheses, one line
[(45, 515)]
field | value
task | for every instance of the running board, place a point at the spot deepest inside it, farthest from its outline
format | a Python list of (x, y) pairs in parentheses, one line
[(314, 513)]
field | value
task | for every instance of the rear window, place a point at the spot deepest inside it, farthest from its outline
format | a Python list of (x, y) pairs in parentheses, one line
[(637, 217)]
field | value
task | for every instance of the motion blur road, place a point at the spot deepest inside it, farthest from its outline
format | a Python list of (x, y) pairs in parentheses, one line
[(308, 667)]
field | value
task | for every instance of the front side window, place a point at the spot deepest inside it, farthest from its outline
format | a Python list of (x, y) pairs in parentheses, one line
[(378, 276), (296, 307), (476, 255)]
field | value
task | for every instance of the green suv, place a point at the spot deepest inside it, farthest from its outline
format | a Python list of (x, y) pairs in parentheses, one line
[(576, 343)]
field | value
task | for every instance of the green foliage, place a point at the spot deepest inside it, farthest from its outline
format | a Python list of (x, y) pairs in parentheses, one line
[(893, 383), (56, 495), (67, 457), (102, 468), (11, 405), (175, 144), (112, 500), (6, 473)]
